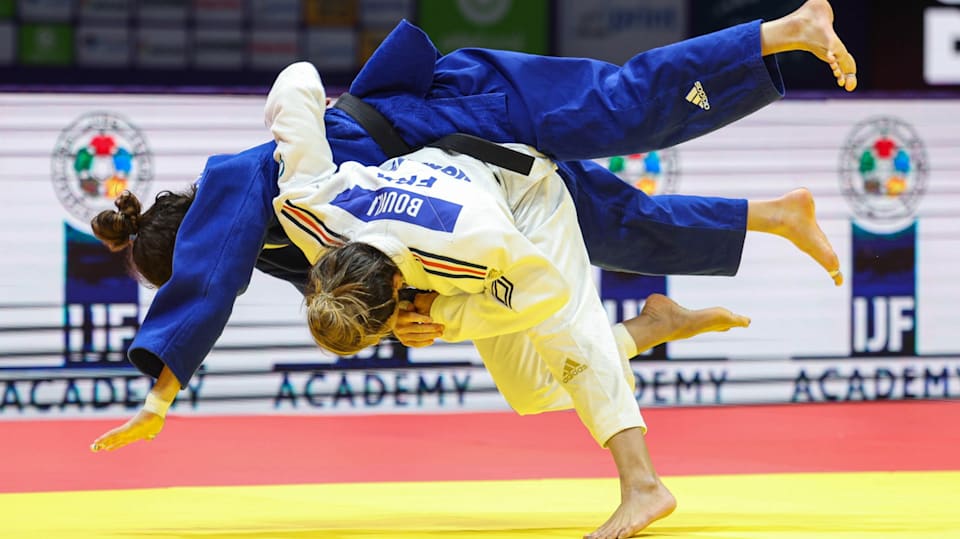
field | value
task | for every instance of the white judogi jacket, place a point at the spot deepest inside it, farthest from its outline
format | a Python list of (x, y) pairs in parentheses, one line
[(449, 228)]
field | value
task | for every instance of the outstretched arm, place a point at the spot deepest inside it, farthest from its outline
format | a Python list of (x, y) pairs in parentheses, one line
[(214, 257)]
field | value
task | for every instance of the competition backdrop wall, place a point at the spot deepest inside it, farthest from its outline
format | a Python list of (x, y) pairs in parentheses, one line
[(885, 174)]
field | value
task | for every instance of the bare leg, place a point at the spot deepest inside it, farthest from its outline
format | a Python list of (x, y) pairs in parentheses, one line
[(643, 497), (810, 28), (793, 216), (663, 320)]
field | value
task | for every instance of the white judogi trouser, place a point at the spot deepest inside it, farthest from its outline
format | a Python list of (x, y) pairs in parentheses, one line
[(570, 360)]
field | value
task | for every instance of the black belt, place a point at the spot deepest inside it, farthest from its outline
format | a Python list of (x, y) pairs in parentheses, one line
[(379, 128)]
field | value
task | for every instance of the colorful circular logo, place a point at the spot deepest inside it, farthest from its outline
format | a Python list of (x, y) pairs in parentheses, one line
[(96, 158), (883, 170), (654, 173)]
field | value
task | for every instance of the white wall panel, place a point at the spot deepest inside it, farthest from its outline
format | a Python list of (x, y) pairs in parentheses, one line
[(796, 312)]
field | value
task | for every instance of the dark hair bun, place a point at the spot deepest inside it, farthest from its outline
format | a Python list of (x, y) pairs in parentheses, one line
[(115, 227)]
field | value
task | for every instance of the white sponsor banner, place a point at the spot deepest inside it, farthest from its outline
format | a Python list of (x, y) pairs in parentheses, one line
[(616, 30), (796, 312)]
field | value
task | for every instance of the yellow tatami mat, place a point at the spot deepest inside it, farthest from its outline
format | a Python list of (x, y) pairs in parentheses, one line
[(897, 505)]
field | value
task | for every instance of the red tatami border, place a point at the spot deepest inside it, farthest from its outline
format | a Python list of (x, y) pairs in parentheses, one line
[(53, 455)]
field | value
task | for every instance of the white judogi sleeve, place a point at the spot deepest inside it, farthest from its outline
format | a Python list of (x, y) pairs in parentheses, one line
[(294, 114), (527, 291)]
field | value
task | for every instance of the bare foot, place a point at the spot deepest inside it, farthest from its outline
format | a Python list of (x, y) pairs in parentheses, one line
[(796, 221), (810, 28), (663, 320), (143, 426), (638, 509), (644, 499)]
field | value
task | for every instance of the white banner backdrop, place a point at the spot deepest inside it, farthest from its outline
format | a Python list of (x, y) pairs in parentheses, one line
[(798, 348)]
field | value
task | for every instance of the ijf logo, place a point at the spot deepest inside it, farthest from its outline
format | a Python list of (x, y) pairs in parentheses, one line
[(883, 176), (96, 158), (883, 170), (654, 173)]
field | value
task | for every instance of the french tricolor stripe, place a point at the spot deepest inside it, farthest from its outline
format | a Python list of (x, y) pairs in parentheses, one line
[(311, 224), (448, 267)]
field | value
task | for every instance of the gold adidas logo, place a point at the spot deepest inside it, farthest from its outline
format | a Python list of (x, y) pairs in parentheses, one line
[(698, 96), (571, 368)]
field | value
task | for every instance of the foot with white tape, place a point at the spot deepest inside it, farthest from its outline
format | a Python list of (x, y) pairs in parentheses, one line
[(793, 216)]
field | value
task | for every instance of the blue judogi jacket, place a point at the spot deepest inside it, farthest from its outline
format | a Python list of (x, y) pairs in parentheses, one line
[(572, 109)]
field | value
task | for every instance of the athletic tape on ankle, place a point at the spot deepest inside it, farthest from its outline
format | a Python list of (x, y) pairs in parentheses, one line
[(156, 405), (625, 343)]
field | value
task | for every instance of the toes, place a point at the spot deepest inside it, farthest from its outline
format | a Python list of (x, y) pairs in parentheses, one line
[(847, 63), (851, 82), (835, 67)]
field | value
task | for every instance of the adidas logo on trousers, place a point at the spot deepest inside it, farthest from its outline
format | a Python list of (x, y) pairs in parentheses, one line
[(698, 96)]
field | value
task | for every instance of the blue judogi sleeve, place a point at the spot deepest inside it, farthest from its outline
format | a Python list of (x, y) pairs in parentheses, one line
[(216, 249)]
